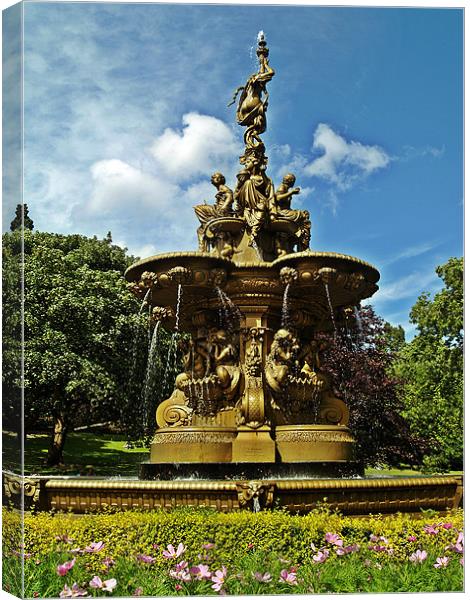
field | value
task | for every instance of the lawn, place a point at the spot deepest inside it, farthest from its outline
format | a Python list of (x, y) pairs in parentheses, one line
[(84, 454)]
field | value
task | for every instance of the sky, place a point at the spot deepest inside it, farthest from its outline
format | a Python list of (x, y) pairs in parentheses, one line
[(126, 118)]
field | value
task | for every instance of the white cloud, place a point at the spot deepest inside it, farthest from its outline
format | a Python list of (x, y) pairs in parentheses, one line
[(343, 163), (205, 144), (409, 253), (119, 186), (406, 287)]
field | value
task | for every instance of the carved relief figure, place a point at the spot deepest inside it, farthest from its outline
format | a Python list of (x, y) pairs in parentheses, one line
[(282, 359), (310, 356)]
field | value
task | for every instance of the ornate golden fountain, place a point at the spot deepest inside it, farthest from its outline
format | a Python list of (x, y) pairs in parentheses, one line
[(252, 390), (252, 421)]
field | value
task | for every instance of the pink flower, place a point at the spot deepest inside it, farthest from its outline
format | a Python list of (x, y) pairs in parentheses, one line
[(262, 577), (219, 579), (178, 587), (170, 552), (333, 538), (347, 549), (96, 582), (250, 546), (74, 592), (458, 546), (181, 571), (430, 529), (447, 525), (106, 586), (65, 568), (108, 562), (461, 561), (201, 572), (145, 558), (419, 556), (321, 556), (94, 547), (138, 592), (289, 576), (441, 562), (411, 538), (208, 546)]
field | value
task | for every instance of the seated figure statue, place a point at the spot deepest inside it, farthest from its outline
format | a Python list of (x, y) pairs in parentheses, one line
[(280, 209), (221, 208)]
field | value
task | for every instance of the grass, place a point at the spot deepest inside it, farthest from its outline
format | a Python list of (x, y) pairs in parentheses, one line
[(84, 454), (105, 455)]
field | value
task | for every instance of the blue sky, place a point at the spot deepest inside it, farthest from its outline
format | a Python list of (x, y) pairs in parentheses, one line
[(126, 118)]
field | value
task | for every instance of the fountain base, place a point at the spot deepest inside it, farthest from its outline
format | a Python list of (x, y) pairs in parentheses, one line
[(283, 444)]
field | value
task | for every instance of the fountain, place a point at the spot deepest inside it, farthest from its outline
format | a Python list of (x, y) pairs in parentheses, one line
[(252, 420), (252, 397)]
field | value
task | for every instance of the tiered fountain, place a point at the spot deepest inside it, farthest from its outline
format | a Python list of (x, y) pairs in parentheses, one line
[(252, 399), (252, 420)]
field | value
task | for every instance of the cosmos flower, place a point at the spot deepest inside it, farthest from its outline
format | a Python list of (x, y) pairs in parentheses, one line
[(74, 592), (262, 577), (441, 562), (219, 579), (333, 538), (419, 556), (288, 576), (170, 552), (65, 568), (94, 547)]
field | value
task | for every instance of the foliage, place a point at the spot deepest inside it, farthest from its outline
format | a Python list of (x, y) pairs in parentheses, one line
[(85, 345), (432, 366), (22, 218), (265, 542), (359, 362)]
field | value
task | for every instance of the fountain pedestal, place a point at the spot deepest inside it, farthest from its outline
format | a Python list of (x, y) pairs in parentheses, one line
[(253, 446)]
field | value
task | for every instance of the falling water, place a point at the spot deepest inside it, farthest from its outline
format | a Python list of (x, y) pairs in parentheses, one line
[(150, 375), (229, 312), (327, 290), (178, 307), (357, 314), (256, 504), (144, 301), (285, 306), (172, 350)]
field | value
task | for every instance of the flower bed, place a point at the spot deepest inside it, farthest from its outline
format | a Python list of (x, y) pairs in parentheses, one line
[(203, 552)]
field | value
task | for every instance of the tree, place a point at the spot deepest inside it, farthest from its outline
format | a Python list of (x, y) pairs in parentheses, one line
[(85, 346), (359, 362), (22, 219), (432, 366)]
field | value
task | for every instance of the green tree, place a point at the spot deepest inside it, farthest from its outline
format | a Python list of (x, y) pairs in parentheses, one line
[(22, 218), (85, 346), (432, 367)]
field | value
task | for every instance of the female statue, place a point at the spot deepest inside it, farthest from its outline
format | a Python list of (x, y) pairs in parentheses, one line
[(221, 208)]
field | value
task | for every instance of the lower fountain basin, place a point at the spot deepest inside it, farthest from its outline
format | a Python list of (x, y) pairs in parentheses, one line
[(357, 496)]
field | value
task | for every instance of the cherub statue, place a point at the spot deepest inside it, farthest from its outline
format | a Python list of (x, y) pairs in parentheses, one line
[(221, 208), (280, 208)]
